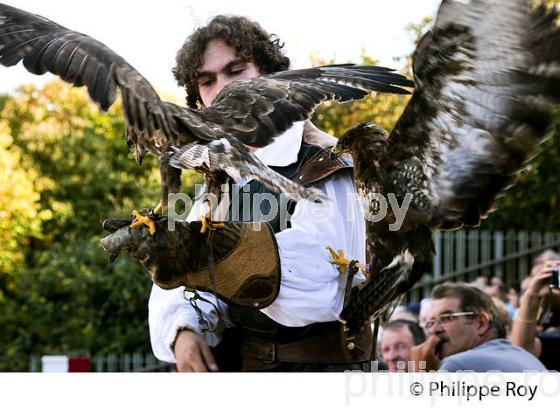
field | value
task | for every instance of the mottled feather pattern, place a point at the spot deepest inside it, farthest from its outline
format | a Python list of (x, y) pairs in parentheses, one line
[(487, 78), (81, 60), (476, 112), (385, 292), (231, 157), (254, 112)]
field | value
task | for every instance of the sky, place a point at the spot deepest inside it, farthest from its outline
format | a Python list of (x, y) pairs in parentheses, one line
[(149, 33)]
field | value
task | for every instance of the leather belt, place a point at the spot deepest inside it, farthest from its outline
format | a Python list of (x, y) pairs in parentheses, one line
[(327, 348)]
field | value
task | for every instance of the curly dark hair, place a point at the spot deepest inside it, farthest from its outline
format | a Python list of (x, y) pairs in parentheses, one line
[(249, 40)]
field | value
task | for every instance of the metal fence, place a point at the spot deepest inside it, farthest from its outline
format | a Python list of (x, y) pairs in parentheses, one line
[(465, 254), (460, 256), (135, 362)]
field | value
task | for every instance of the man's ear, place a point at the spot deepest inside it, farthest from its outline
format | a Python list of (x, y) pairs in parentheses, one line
[(483, 322)]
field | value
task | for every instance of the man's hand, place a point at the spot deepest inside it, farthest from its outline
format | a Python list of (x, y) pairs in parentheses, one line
[(426, 352), (193, 354)]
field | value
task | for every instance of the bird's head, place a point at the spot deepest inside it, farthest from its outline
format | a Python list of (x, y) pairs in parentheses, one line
[(364, 137)]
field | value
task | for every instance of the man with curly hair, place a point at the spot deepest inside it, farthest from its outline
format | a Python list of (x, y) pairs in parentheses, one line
[(249, 41), (299, 331)]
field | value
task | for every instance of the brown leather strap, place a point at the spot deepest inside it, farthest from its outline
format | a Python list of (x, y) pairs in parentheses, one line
[(327, 348), (321, 165)]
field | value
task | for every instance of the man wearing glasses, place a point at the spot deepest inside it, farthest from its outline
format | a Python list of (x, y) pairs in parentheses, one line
[(468, 333)]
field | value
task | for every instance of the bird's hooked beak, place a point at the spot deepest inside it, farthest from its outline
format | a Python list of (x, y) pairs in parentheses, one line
[(336, 150)]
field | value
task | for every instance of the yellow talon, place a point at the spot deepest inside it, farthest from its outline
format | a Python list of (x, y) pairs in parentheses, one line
[(208, 224), (143, 220), (338, 258), (158, 208)]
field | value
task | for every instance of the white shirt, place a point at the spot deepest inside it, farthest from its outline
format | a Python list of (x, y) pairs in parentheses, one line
[(311, 289)]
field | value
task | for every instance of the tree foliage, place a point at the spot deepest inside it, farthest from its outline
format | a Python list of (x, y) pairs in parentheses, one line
[(64, 167)]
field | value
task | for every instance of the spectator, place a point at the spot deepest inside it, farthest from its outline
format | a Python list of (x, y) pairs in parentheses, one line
[(496, 281), (469, 334), (541, 259), (425, 316), (402, 313), (513, 294), (501, 293), (504, 313), (480, 282), (414, 308), (525, 329), (399, 336)]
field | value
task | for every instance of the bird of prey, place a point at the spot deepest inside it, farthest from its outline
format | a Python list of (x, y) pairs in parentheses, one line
[(210, 140), (487, 79)]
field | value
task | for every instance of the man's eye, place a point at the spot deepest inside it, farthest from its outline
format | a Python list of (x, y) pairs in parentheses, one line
[(205, 83), (237, 71)]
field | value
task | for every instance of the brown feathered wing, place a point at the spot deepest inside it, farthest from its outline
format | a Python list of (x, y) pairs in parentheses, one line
[(487, 77)]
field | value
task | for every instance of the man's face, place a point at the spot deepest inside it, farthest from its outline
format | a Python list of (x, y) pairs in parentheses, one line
[(460, 333), (425, 316), (220, 66), (395, 347)]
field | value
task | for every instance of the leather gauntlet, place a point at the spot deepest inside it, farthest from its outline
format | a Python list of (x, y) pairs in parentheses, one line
[(239, 263)]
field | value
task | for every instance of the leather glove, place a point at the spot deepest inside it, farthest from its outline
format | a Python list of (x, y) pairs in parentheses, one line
[(244, 262)]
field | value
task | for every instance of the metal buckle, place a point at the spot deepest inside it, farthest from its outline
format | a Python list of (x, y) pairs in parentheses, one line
[(271, 354)]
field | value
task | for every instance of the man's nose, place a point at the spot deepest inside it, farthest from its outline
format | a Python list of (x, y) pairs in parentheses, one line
[(221, 82), (437, 328), (392, 355)]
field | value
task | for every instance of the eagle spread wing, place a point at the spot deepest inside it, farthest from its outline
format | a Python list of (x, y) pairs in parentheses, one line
[(254, 112), (487, 76), (81, 60)]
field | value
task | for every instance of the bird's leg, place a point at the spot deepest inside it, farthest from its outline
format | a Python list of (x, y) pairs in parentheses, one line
[(207, 220), (148, 220), (339, 259), (214, 184), (157, 210), (170, 183)]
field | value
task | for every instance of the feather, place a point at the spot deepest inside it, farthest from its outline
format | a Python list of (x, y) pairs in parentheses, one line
[(487, 80), (252, 112)]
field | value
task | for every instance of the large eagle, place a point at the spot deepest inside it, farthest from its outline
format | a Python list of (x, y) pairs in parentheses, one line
[(211, 140), (487, 78)]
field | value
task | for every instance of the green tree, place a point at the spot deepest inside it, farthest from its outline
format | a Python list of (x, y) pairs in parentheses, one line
[(68, 168)]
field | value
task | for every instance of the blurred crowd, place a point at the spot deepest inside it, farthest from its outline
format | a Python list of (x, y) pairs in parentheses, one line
[(479, 326)]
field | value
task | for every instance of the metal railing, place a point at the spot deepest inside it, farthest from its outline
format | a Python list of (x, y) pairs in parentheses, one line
[(460, 256), (463, 255)]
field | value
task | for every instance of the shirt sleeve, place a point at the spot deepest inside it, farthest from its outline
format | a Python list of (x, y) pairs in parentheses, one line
[(312, 289), (169, 311)]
